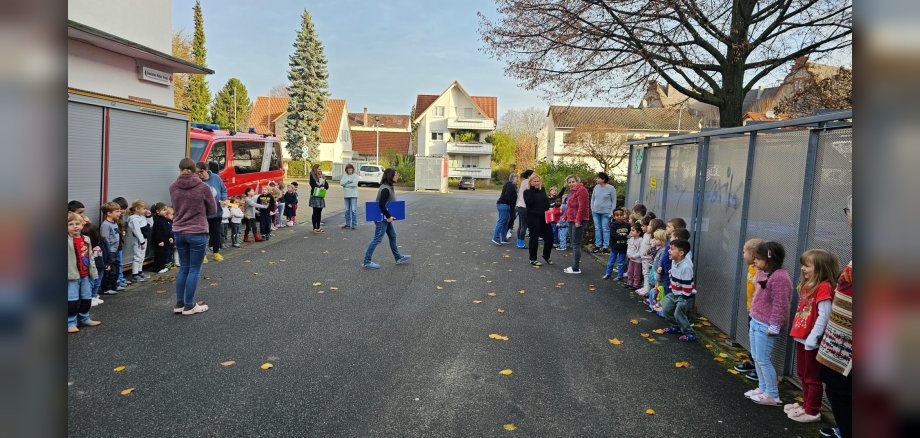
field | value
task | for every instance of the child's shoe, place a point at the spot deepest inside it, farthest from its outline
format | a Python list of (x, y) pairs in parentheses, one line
[(137, 278), (690, 337), (802, 417), (606, 277), (204, 260), (96, 301), (790, 407), (73, 329), (218, 257), (236, 245), (753, 392), (163, 271), (89, 322), (765, 399), (752, 375), (520, 244), (641, 292), (672, 330), (745, 367)]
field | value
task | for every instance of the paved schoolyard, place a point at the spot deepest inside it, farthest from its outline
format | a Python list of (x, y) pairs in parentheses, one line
[(403, 351)]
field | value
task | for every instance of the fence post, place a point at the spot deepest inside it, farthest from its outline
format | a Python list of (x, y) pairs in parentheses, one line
[(629, 169), (811, 159), (664, 184), (742, 232), (702, 155)]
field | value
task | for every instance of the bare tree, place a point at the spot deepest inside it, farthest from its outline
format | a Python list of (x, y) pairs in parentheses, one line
[(711, 50), (604, 143), (524, 151), (279, 90), (527, 121), (835, 92)]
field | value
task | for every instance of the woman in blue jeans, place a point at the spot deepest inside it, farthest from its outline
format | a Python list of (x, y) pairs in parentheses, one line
[(350, 188), (193, 202), (385, 194), (505, 205)]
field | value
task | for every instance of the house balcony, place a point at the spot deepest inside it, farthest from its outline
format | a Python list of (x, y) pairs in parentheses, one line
[(475, 172), (460, 148), (473, 124)]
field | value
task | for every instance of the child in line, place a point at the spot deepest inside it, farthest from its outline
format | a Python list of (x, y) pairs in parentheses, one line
[(638, 213), (97, 259), (619, 234), (290, 204), (267, 205), (672, 224), (296, 197), (279, 193), (657, 294), (170, 215), (139, 226), (678, 305), (645, 253), (163, 243), (224, 223), (747, 254), (78, 208), (236, 219), (554, 203), (632, 253), (769, 314), (111, 242), (563, 226), (816, 290), (123, 230), (81, 271), (250, 215)]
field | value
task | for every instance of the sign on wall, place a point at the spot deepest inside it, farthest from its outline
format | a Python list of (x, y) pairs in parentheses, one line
[(156, 76), (640, 153)]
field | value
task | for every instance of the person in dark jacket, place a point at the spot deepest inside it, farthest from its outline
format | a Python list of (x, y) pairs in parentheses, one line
[(194, 202), (386, 193), (317, 180), (505, 205), (537, 204), (161, 238), (219, 190)]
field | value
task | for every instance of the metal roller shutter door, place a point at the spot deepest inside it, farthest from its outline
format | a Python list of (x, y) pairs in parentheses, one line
[(84, 157), (144, 154)]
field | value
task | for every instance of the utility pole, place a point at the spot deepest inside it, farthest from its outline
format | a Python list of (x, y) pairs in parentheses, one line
[(377, 130)]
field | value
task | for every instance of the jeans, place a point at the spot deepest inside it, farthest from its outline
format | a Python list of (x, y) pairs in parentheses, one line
[(563, 235), (501, 226), (601, 230), (96, 284), (555, 233), (577, 233), (351, 211), (121, 264), (191, 249), (620, 258), (234, 233), (278, 213), (522, 222), (382, 227), (761, 350), (79, 293), (677, 311)]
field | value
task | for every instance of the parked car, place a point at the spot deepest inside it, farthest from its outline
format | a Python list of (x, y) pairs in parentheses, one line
[(242, 159), (370, 174), (467, 182)]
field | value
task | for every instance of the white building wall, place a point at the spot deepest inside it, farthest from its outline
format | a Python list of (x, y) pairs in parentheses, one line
[(147, 22), (101, 71)]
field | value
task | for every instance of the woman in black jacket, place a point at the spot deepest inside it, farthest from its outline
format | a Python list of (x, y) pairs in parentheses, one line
[(317, 180), (537, 203), (505, 206)]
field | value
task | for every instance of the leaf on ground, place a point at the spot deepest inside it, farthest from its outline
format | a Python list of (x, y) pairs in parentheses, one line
[(127, 391), (333, 288), (263, 251), (708, 345), (267, 366), (650, 339), (650, 411), (439, 288), (634, 321), (213, 284), (703, 318), (521, 291), (316, 283), (615, 341), (119, 368), (160, 291), (500, 310), (450, 281), (591, 289), (498, 337), (506, 372), (509, 427), (488, 281), (271, 263), (718, 359), (482, 276), (477, 301), (491, 294), (659, 331), (723, 355), (741, 355), (282, 260), (255, 273), (227, 363), (560, 284), (733, 371), (509, 270), (683, 364), (723, 336), (644, 335), (247, 261)]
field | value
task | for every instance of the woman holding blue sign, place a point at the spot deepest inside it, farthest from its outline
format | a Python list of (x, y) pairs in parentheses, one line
[(318, 187), (385, 194)]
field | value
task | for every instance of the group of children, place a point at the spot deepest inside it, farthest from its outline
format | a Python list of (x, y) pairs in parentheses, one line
[(95, 252), (658, 265)]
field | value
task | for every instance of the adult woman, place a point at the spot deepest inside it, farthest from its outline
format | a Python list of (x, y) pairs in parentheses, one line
[(350, 187), (537, 203), (317, 181), (603, 199), (577, 213), (504, 204), (521, 209), (193, 202), (385, 194)]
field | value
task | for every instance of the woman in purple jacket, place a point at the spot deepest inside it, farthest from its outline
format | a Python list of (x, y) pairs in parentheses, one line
[(193, 203)]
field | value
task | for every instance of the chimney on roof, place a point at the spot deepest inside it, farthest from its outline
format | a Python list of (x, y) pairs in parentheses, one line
[(759, 91), (365, 116)]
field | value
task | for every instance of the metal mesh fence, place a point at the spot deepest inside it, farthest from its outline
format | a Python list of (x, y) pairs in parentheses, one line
[(833, 184), (717, 261), (681, 183), (654, 178), (635, 180)]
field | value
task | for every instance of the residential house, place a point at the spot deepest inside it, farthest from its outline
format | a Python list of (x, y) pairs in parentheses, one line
[(392, 133), (455, 124), (269, 114), (632, 123)]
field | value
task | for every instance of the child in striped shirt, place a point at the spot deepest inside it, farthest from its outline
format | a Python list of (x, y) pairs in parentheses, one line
[(679, 303)]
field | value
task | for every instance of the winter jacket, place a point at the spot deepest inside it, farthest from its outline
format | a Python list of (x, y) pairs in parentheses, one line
[(603, 199), (579, 210), (509, 195), (73, 272), (771, 304), (350, 185), (160, 233), (136, 223), (218, 189), (236, 214), (193, 203), (537, 203), (111, 235), (251, 207)]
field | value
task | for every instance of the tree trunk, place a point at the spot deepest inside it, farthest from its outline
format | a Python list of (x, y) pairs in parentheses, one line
[(732, 98), (733, 68)]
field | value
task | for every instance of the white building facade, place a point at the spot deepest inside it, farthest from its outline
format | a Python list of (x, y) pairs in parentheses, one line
[(455, 124)]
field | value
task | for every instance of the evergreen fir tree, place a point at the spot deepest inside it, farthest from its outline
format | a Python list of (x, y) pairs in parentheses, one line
[(309, 90), (231, 106), (198, 86)]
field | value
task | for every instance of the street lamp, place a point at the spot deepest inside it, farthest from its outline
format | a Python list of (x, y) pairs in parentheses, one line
[(377, 131)]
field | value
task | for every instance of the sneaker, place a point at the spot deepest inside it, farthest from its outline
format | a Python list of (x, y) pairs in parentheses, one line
[(830, 432), (199, 308), (496, 242), (606, 250), (372, 265), (403, 259), (120, 287), (89, 322), (236, 245), (751, 376), (595, 250), (571, 270), (138, 278), (536, 263), (163, 271), (548, 261), (744, 367), (110, 292), (218, 257), (765, 399), (690, 337), (753, 392), (344, 226), (606, 276), (96, 301), (641, 292), (73, 329), (178, 310), (672, 330), (290, 223)]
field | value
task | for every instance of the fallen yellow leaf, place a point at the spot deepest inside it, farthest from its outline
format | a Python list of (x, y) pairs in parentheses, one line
[(159, 291), (477, 301), (650, 411), (127, 391), (509, 427), (741, 355), (644, 335), (506, 372), (267, 366), (734, 371), (615, 341), (650, 339), (316, 283), (702, 318), (708, 345), (718, 359), (683, 364), (723, 355), (227, 363), (491, 294), (498, 337), (439, 288), (521, 291), (333, 288), (659, 331), (119, 368), (634, 321), (500, 310), (450, 281)]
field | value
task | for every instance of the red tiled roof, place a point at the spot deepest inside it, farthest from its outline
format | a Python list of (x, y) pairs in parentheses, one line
[(329, 127), (365, 142), (386, 120), (649, 119), (265, 111), (488, 105), (422, 102)]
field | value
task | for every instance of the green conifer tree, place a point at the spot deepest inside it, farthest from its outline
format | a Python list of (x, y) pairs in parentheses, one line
[(198, 86), (309, 90), (231, 106)]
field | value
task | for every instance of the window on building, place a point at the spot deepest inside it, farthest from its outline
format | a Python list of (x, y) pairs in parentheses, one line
[(437, 136), (439, 111), (470, 161), (468, 113), (247, 156), (219, 155), (567, 138)]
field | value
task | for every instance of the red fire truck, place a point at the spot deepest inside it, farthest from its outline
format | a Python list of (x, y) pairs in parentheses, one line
[(243, 159)]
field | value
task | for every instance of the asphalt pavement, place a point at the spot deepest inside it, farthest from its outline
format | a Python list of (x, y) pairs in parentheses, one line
[(403, 351)]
